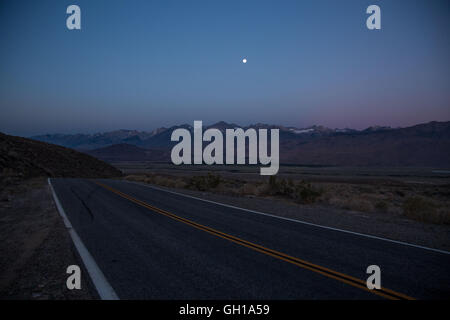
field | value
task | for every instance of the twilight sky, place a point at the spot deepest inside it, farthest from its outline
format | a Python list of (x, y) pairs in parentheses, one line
[(146, 64)]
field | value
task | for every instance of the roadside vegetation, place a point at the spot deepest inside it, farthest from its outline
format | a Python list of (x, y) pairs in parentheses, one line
[(425, 203)]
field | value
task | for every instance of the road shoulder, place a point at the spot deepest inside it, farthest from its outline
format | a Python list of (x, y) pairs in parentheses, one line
[(35, 248)]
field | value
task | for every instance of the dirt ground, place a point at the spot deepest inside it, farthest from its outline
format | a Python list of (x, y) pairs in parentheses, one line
[(35, 247)]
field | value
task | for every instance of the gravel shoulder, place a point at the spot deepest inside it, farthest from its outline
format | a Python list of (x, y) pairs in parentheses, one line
[(35, 247), (386, 225)]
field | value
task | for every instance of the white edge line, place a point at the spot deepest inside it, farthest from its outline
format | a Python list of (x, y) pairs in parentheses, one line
[(294, 220), (104, 289)]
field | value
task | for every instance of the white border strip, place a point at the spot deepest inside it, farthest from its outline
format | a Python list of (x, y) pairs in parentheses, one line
[(293, 220), (104, 289)]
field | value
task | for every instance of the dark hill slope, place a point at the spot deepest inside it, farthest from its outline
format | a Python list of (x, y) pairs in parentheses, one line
[(25, 158)]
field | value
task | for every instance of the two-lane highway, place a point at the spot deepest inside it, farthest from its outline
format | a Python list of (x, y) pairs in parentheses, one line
[(154, 244)]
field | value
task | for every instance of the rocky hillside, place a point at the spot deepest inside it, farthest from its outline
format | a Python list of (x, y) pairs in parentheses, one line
[(22, 158)]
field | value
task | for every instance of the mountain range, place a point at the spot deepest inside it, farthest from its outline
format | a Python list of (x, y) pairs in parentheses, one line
[(425, 144), (161, 137)]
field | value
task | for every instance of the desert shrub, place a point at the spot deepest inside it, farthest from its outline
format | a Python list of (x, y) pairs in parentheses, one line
[(197, 183), (262, 189), (160, 180), (361, 205), (213, 180), (180, 184), (280, 187), (204, 183), (444, 215), (248, 189), (273, 187), (367, 189), (286, 187), (400, 193), (381, 206), (337, 202), (148, 180), (305, 193), (301, 192), (421, 209), (353, 203)]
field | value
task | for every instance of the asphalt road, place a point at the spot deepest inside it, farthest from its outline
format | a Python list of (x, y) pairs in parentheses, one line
[(152, 244)]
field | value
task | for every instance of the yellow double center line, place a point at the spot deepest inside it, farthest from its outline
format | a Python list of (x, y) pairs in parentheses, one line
[(386, 293)]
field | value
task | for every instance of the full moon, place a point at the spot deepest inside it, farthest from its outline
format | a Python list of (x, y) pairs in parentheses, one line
[(244, 60)]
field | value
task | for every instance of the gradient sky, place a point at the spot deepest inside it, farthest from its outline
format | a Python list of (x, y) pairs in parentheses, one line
[(146, 64)]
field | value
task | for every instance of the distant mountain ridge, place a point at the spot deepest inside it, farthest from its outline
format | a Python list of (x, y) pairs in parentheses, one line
[(426, 145), (161, 137), (420, 145)]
